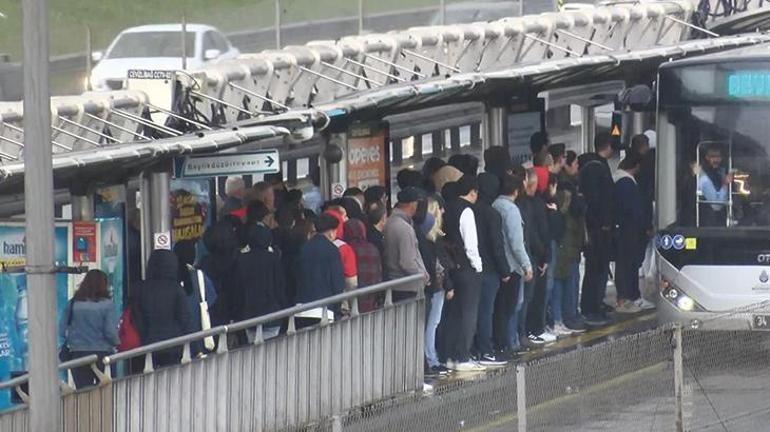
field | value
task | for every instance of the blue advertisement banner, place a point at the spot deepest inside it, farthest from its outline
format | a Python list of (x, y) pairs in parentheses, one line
[(13, 299), (112, 259)]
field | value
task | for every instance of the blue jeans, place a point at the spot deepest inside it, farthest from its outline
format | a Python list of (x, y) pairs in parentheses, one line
[(570, 293), (490, 284), (549, 281), (434, 317), (513, 323)]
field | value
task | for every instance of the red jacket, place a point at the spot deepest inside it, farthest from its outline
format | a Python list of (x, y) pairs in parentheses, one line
[(347, 254)]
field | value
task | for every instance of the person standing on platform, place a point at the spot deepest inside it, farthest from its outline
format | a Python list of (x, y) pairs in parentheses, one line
[(596, 185), (462, 237)]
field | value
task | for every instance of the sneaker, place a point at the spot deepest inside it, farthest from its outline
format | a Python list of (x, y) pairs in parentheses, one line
[(560, 329), (575, 326), (468, 366), (547, 337), (644, 304), (535, 340), (491, 360), (439, 370), (597, 320), (450, 364), (627, 307)]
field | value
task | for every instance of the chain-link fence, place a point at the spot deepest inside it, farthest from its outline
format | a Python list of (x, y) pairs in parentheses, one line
[(671, 378)]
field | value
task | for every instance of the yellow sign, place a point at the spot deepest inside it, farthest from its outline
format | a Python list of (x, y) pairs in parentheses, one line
[(615, 131), (691, 243)]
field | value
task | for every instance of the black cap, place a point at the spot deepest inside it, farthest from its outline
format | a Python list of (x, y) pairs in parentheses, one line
[(410, 194)]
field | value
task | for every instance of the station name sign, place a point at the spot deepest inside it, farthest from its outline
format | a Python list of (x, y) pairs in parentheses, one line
[(247, 163), (151, 74)]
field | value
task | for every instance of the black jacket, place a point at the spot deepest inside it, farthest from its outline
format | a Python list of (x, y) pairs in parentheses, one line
[(260, 280), (596, 185), (160, 306), (455, 243), (434, 253), (536, 233), (320, 270), (489, 224), (223, 245)]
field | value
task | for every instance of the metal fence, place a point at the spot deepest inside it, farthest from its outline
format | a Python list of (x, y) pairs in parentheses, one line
[(301, 377), (670, 378)]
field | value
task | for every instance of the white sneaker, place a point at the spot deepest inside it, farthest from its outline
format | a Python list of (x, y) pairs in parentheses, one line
[(450, 364), (645, 304), (468, 366), (547, 337), (627, 307), (560, 329)]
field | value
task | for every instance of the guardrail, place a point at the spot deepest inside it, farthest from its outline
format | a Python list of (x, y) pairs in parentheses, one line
[(305, 375)]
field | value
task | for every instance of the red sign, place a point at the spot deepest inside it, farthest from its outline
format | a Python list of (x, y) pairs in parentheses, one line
[(367, 155), (84, 242)]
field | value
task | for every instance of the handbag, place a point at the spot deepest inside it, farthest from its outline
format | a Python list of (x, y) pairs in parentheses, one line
[(208, 341), (65, 353), (127, 332)]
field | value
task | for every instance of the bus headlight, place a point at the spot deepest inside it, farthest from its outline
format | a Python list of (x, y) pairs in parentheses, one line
[(678, 298)]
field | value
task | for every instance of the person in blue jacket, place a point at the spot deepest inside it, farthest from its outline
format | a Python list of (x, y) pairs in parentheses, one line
[(630, 225)]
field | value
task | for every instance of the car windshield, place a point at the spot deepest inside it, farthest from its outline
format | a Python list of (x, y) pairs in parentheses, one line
[(714, 166), (152, 44)]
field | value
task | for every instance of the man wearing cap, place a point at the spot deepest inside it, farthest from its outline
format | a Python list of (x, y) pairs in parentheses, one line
[(402, 255)]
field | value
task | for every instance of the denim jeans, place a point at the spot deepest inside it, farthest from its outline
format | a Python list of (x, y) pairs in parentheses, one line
[(513, 323), (570, 293), (558, 298), (549, 282), (490, 284), (434, 317)]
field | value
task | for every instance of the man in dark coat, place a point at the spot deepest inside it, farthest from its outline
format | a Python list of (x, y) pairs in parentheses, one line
[(596, 184), (260, 280), (160, 306), (320, 266), (496, 269)]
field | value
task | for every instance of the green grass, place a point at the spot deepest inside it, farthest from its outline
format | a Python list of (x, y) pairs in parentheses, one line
[(69, 18)]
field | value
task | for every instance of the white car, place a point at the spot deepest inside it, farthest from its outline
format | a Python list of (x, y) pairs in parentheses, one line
[(158, 47)]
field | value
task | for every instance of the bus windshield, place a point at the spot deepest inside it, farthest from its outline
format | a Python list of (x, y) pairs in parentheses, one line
[(714, 153)]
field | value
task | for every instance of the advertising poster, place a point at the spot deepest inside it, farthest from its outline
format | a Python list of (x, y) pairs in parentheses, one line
[(13, 299), (190, 209), (521, 126), (367, 155), (84, 242), (112, 258), (110, 202)]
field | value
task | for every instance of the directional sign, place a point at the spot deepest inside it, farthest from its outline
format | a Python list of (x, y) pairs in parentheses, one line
[(258, 162)]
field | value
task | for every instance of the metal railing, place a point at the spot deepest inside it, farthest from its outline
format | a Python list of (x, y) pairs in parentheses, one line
[(302, 376)]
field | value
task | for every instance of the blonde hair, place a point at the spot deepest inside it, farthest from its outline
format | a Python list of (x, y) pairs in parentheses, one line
[(434, 209)]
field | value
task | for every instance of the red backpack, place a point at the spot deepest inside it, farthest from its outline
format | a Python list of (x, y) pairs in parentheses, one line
[(129, 336)]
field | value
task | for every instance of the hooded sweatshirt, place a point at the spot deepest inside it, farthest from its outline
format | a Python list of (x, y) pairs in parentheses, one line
[(368, 260), (489, 225), (160, 304), (347, 254), (260, 280)]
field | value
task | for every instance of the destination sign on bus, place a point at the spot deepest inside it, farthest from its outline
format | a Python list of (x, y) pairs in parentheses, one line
[(748, 84)]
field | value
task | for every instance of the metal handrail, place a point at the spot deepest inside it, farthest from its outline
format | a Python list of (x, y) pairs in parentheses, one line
[(223, 330)]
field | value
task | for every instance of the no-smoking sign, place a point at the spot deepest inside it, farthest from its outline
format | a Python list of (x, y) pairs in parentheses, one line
[(162, 240), (337, 190)]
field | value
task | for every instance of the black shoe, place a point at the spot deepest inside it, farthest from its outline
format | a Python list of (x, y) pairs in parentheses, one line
[(439, 370), (577, 325), (491, 360), (597, 320)]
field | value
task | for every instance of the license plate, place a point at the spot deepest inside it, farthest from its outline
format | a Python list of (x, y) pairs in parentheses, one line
[(760, 322)]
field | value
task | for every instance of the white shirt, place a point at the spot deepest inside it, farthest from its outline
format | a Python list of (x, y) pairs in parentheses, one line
[(470, 238)]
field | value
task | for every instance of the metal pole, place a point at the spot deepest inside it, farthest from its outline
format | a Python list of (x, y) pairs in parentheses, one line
[(587, 121), (184, 42), (493, 131), (278, 24), (442, 6), (45, 402), (360, 17), (678, 377), (89, 58), (521, 398)]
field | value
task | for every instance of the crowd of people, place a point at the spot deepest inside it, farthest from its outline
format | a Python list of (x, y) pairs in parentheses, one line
[(499, 251)]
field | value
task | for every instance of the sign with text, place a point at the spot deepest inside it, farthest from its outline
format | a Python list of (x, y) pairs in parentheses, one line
[(190, 209), (84, 242), (367, 155), (150, 74), (257, 162), (521, 126)]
